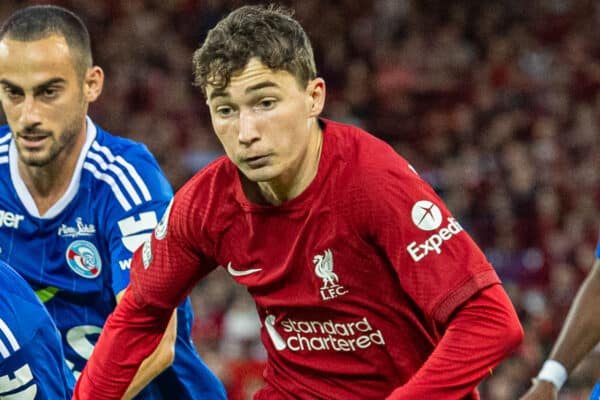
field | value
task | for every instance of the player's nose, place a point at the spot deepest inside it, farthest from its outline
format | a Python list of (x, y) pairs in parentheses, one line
[(247, 130), (30, 115)]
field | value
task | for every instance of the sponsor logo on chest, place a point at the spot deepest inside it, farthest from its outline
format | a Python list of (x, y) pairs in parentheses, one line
[(10, 220), (330, 335), (80, 229)]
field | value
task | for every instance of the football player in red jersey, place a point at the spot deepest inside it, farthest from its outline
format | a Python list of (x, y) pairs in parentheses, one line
[(367, 287)]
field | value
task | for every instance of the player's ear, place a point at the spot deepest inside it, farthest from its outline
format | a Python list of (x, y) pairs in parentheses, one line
[(315, 91), (92, 83)]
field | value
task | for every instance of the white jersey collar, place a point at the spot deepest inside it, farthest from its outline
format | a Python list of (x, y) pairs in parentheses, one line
[(23, 192)]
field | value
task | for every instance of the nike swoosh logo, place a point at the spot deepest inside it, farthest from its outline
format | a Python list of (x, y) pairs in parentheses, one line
[(235, 272)]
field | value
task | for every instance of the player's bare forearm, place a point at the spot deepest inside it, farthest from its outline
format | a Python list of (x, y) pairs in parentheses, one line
[(581, 330), (157, 362), (579, 334), (483, 332), (541, 390)]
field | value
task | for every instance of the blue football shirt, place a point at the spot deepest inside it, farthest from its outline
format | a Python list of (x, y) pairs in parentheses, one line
[(32, 366), (77, 255)]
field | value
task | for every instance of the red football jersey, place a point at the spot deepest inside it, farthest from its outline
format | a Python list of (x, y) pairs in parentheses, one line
[(353, 280)]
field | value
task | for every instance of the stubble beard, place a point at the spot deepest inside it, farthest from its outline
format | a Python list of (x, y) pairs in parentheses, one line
[(59, 145), (64, 143)]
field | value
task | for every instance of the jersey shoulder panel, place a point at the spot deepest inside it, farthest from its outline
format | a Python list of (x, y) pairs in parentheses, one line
[(217, 173), (206, 201), (364, 153), (128, 169), (369, 166)]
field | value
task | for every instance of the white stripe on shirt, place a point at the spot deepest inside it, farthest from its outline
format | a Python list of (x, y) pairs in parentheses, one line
[(119, 173), (111, 182), (11, 340), (130, 168)]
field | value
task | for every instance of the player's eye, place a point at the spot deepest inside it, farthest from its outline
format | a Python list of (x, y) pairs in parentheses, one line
[(50, 92), (224, 111), (267, 103), (12, 93)]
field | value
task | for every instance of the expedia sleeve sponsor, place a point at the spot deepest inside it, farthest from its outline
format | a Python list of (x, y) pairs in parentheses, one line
[(434, 243)]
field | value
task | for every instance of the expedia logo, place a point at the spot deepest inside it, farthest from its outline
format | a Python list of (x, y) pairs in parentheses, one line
[(418, 251), (426, 215)]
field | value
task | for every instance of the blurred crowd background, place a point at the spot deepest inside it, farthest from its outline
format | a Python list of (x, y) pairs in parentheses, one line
[(495, 103)]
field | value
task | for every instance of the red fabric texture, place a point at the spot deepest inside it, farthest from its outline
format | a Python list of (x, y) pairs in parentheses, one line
[(482, 333)]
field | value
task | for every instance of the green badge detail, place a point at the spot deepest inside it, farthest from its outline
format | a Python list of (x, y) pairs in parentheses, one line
[(46, 294)]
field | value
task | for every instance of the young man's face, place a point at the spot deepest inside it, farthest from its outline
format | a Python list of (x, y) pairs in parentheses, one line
[(264, 120), (42, 96)]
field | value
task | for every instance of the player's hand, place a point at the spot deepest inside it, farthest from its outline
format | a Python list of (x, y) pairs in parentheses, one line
[(541, 390)]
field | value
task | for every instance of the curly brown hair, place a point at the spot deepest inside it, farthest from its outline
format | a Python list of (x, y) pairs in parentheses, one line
[(269, 33)]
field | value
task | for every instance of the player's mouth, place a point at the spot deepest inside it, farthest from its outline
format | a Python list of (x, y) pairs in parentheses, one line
[(257, 161), (33, 140)]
